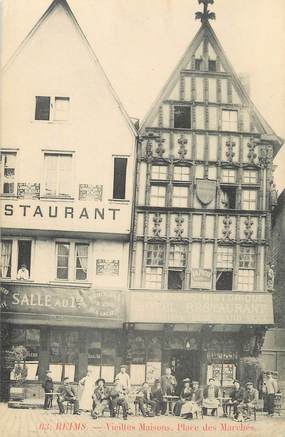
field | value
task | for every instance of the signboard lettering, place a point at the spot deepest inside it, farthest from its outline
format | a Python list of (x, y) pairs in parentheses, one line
[(201, 278)]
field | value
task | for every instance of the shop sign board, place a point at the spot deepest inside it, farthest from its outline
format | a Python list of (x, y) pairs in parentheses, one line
[(101, 304), (201, 278)]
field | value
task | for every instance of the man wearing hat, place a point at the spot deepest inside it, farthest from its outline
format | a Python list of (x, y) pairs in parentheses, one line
[(145, 402), (270, 388), (124, 378), (101, 398), (157, 397), (249, 402), (67, 393), (236, 397), (48, 388), (118, 398)]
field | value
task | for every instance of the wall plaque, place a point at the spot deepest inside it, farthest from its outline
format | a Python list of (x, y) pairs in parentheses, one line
[(107, 267)]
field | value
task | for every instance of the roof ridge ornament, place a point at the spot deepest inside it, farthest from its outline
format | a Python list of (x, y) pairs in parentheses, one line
[(206, 15)]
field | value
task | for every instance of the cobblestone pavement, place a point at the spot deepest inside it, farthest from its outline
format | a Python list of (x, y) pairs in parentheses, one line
[(40, 423)]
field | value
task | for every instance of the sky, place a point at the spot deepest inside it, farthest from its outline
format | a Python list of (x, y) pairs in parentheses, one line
[(139, 43)]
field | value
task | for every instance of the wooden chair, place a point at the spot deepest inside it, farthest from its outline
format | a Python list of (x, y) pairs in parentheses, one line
[(68, 407)]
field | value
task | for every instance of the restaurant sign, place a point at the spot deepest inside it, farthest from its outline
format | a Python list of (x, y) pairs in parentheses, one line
[(101, 304)]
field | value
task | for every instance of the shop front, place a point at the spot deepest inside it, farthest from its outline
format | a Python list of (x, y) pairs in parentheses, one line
[(65, 330), (197, 335)]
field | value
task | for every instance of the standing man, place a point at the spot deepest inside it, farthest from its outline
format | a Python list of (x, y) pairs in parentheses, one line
[(270, 388), (67, 393), (48, 388), (168, 385), (124, 378)]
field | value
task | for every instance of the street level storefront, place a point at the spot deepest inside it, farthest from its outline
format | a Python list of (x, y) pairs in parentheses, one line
[(199, 335), (66, 330)]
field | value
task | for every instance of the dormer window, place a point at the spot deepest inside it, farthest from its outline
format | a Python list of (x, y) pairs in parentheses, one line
[(198, 64), (212, 65)]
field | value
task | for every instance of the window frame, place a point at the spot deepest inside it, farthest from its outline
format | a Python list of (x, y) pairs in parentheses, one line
[(174, 196), (15, 258), (43, 193), (246, 280), (188, 107), (152, 197), (227, 124), (71, 269), (4, 152), (228, 179), (125, 198), (159, 178), (248, 179), (52, 109), (181, 175), (225, 258), (249, 201)]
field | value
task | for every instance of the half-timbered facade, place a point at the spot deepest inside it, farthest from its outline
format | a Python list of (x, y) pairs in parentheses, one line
[(202, 220)]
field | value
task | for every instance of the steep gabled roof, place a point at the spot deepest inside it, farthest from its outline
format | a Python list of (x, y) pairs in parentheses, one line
[(32, 32), (206, 30)]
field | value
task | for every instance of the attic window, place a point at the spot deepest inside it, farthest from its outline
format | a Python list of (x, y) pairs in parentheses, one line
[(182, 117), (212, 65), (198, 64)]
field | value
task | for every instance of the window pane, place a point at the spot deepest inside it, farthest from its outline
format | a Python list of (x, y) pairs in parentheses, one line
[(61, 108), (225, 257), (62, 260), (228, 176), (177, 255), (212, 65), (250, 177), (7, 176), (157, 195), (249, 198), (81, 253), (153, 277), (58, 171), (180, 197), (42, 108), (246, 280), (119, 181), (229, 120), (6, 257), (247, 258), (155, 254), (182, 117), (181, 173), (24, 258), (159, 172)]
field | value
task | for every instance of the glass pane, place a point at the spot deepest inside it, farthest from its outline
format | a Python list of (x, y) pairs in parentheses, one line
[(42, 108), (62, 273), (63, 249)]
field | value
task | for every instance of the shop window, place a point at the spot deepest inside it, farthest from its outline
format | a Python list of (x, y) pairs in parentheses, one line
[(175, 279), (229, 120), (246, 280), (101, 354), (24, 258), (182, 117), (198, 64), (228, 198), (249, 199), (6, 258), (58, 175), (250, 177), (228, 176), (153, 277), (8, 173), (181, 173), (64, 348), (30, 339), (81, 253), (52, 108), (63, 250), (159, 172), (212, 65), (157, 195), (119, 179), (180, 197), (224, 280)]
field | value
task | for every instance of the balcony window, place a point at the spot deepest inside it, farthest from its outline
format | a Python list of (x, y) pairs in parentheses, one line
[(229, 120), (58, 175), (8, 173), (182, 117), (157, 195), (180, 197)]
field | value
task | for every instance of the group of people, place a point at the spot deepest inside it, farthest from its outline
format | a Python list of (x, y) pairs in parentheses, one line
[(154, 400)]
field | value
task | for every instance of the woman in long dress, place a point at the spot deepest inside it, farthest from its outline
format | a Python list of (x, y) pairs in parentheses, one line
[(87, 388)]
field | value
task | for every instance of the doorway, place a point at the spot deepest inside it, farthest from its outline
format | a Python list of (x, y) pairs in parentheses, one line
[(185, 364)]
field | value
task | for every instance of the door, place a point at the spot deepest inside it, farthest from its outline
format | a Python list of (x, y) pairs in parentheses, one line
[(185, 364)]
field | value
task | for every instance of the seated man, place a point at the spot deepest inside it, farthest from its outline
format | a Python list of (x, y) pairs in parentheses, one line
[(185, 395), (146, 404), (118, 398), (168, 385), (249, 402), (157, 396), (211, 397), (193, 405), (67, 393), (101, 399), (236, 397)]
